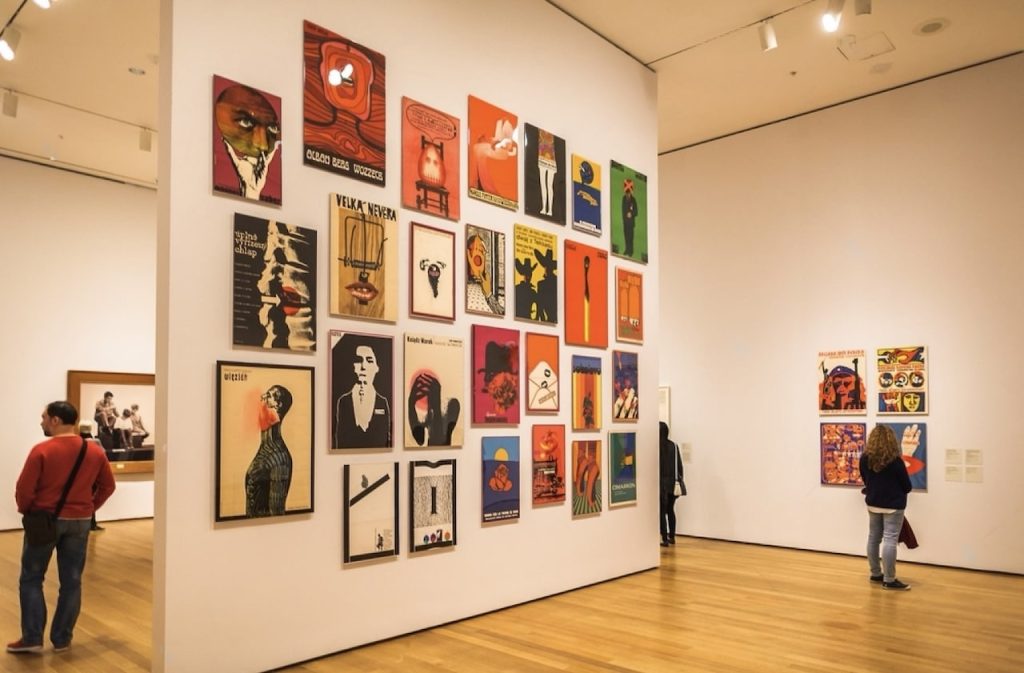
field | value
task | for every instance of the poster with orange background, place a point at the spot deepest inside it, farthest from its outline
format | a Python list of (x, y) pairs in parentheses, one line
[(493, 154), (542, 373), (430, 160), (548, 464), (586, 295)]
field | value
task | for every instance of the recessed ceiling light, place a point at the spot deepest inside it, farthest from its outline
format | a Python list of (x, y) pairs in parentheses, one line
[(931, 27), (135, 70)]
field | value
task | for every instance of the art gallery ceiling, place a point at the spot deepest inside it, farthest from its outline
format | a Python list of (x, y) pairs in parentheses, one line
[(84, 80)]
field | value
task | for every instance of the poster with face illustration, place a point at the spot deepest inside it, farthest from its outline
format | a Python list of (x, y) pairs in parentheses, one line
[(370, 497), (536, 275), (542, 366), (841, 447), (913, 440), (485, 271), (432, 273), (625, 398), (364, 259), (430, 160), (432, 504), (629, 213), (273, 285), (495, 375), (586, 393), (544, 173), (902, 380), (586, 295), (500, 483), (362, 391), (586, 195), (629, 306), (434, 388), (548, 464), (246, 141), (493, 154), (343, 106), (621, 468), (586, 477), (841, 383)]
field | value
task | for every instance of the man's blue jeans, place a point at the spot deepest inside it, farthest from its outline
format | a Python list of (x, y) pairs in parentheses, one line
[(884, 532), (72, 542)]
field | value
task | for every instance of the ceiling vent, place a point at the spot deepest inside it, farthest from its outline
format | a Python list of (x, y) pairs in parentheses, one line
[(856, 48)]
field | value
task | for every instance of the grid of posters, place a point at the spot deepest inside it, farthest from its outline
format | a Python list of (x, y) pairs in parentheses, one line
[(621, 468), (364, 259), (430, 160), (246, 141), (841, 447), (548, 466), (500, 483), (629, 213), (495, 375), (434, 385), (370, 497), (586, 195), (903, 380), (493, 154), (841, 387), (586, 295), (536, 275)]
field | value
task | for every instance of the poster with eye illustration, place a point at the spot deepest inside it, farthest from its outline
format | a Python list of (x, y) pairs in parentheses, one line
[(542, 378), (548, 464), (370, 497), (273, 285), (495, 375), (342, 106), (629, 213), (536, 275), (432, 504), (586, 295), (493, 154), (500, 478), (430, 160), (629, 306), (485, 271), (841, 386), (586, 477), (621, 468), (913, 441), (434, 376), (364, 259), (586, 393), (903, 380), (544, 173), (432, 273), (586, 195), (625, 400), (246, 141), (841, 447)]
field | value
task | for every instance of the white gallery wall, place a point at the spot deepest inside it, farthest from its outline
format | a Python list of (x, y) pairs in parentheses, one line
[(80, 255), (251, 595), (894, 220)]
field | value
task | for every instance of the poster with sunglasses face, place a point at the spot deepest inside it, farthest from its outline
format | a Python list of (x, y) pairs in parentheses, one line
[(246, 141)]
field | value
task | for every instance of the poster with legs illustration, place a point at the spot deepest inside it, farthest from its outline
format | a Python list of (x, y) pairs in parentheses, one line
[(485, 271), (586, 477), (913, 439), (629, 213), (586, 295), (370, 498), (493, 154), (544, 172), (500, 478), (625, 384), (621, 468), (495, 375), (362, 393), (432, 504), (434, 387), (586, 195), (432, 273), (841, 386), (586, 393), (430, 160), (364, 259), (246, 141), (548, 466), (536, 275), (629, 306), (902, 380), (542, 373), (841, 447)]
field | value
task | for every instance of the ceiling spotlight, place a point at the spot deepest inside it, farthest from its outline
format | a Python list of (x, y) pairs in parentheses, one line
[(9, 40), (833, 13), (45, 4), (861, 7), (767, 34), (145, 140), (10, 104)]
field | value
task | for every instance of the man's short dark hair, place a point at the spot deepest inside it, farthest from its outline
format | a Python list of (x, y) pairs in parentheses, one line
[(63, 410)]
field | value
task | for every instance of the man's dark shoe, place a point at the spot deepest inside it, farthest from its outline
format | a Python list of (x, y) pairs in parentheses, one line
[(876, 578), (895, 585)]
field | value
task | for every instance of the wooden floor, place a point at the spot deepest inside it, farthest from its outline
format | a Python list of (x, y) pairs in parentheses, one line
[(712, 606)]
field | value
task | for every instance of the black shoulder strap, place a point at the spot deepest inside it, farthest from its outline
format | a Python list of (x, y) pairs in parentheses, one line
[(71, 480)]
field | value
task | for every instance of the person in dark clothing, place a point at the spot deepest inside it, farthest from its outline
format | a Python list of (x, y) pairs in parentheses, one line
[(670, 485), (886, 484)]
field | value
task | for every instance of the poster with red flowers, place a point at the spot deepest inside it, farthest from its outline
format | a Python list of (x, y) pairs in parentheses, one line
[(495, 375)]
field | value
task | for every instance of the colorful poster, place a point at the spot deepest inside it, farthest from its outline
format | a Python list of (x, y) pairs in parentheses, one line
[(544, 170), (500, 478), (626, 404), (548, 464), (434, 376), (586, 393), (432, 273), (362, 391), (536, 275), (542, 368), (274, 285), (495, 375), (493, 151), (370, 497), (629, 213), (586, 477), (913, 439), (903, 380), (264, 440), (432, 504), (246, 141), (622, 468), (629, 306), (841, 388), (364, 259), (343, 106), (485, 271), (586, 295), (586, 195), (841, 447), (430, 160)]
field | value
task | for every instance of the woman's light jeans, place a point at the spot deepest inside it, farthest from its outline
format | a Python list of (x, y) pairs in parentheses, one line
[(884, 532)]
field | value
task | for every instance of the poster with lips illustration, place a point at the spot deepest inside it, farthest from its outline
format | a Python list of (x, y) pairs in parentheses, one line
[(432, 273), (274, 285), (364, 259), (430, 160)]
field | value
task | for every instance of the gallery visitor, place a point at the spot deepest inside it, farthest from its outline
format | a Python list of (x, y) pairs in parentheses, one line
[(886, 485), (670, 484)]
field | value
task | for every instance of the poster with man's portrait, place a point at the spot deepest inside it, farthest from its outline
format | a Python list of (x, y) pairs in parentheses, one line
[(495, 375), (246, 141), (841, 383), (430, 160), (362, 390), (586, 295), (628, 205), (544, 174), (435, 390), (364, 259)]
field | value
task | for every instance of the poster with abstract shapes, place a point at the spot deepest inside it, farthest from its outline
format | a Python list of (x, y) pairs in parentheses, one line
[(542, 373), (495, 375), (586, 477), (841, 447), (274, 285), (548, 467), (432, 504), (841, 387), (629, 213), (586, 295), (432, 273), (430, 160), (903, 380), (370, 497), (544, 171), (246, 141), (629, 306), (264, 463), (621, 468), (536, 275), (500, 478), (626, 401), (586, 195), (913, 439), (485, 271), (362, 391), (364, 259), (434, 386), (343, 106), (586, 393), (493, 154)]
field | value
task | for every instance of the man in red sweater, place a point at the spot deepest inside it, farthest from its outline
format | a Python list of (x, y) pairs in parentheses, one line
[(40, 485)]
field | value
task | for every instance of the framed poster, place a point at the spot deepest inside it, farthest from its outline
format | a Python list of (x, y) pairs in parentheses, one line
[(264, 440), (485, 271), (586, 295), (364, 259), (586, 195), (274, 285), (370, 498), (548, 466), (629, 213), (586, 477), (500, 478), (430, 160), (432, 273), (586, 393), (841, 447), (432, 504), (434, 385), (903, 380), (621, 468), (493, 154), (913, 439), (122, 409), (629, 306), (625, 387), (542, 373), (495, 375), (665, 405), (246, 141), (544, 170), (841, 389), (536, 275), (343, 106), (362, 390)]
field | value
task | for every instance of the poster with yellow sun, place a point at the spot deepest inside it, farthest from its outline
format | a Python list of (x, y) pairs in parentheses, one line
[(500, 478)]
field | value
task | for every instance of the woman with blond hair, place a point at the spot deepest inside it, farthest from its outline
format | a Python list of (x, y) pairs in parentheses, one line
[(886, 484)]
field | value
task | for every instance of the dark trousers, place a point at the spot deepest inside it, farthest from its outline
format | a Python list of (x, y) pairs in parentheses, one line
[(667, 513)]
